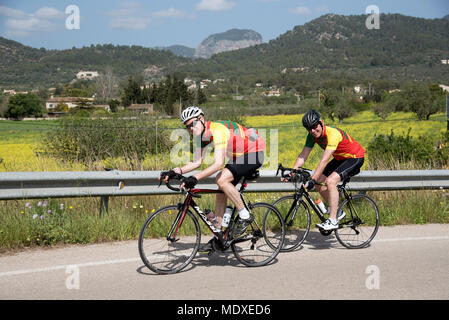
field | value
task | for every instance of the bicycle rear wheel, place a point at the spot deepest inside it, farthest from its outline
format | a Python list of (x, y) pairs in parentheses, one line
[(161, 254), (297, 221), (262, 241), (360, 224)]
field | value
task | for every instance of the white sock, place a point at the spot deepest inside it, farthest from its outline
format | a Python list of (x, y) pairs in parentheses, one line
[(333, 221), (244, 214)]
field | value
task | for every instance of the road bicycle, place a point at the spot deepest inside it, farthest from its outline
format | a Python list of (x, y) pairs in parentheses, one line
[(171, 236), (356, 230)]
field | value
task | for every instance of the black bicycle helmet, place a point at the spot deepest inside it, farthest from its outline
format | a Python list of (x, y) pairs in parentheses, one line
[(310, 119)]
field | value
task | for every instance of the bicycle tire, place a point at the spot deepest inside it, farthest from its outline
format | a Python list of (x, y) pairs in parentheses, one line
[(262, 241), (357, 234), (161, 255), (296, 230)]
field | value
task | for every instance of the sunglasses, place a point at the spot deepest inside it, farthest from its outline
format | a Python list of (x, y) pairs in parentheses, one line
[(313, 127), (194, 122)]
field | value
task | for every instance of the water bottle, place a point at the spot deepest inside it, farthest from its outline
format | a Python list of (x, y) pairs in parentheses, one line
[(213, 219), (226, 217), (320, 205)]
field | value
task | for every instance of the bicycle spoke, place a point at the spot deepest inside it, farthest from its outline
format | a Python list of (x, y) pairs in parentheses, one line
[(159, 253), (297, 221), (361, 223), (264, 237)]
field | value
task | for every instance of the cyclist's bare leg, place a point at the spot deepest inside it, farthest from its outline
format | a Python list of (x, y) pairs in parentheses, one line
[(224, 181), (330, 192)]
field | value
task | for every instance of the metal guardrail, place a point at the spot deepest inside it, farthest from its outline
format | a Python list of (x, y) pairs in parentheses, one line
[(33, 185)]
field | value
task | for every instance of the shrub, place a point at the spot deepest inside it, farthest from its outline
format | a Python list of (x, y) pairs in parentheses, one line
[(387, 151), (88, 140), (23, 105)]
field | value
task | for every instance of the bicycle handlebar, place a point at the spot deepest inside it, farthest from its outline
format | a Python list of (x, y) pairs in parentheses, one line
[(302, 174), (179, 177)]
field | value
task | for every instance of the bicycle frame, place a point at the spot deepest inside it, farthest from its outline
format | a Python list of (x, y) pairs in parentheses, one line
[(299, 194), (189, 202)]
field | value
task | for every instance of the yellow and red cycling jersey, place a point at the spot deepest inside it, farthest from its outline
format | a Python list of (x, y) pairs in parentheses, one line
[(235, 138), (336, 139)]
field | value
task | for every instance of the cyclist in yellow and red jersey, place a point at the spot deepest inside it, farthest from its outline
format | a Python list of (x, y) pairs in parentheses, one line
[(245, 149), (348, 157)]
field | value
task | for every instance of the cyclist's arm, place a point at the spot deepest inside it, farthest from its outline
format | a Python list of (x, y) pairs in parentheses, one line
[(323, 162), (219, 157), (198, 157), (302, 157)]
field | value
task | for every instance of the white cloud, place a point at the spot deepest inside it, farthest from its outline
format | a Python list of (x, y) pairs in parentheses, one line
[(49, 13), (215, 5), (134, 23), (24, 24), (300, 10), (13, 13), (129, 15), (171, 13)]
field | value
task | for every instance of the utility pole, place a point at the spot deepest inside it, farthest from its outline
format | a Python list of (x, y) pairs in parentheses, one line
[(447, 112)]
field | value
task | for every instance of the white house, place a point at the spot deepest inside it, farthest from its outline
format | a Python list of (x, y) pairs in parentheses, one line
[(89, 75), (445, 88), (10, 92), (71, 102)]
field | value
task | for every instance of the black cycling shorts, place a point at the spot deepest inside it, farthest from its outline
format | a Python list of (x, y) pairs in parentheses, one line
[(345, 168), (241, 166)]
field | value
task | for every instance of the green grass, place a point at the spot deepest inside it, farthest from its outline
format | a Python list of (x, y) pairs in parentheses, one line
[(28, 223)]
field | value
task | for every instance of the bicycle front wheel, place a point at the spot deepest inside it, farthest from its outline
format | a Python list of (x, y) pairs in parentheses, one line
[(262, 241), (360, 224), (166, 253), (297, 219)]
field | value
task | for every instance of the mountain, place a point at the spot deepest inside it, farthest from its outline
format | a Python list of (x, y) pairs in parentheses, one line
[(446, 17), (404, 48), (12, 53), (331, 48), (230, 40), (23, 66), (179, 50)]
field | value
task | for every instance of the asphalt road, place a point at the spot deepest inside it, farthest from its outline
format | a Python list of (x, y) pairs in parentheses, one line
[(404, 262)]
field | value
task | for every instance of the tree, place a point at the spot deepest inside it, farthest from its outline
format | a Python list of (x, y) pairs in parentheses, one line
[(113, 104), (338, 104), (201, 96), (22, 105), (105, 85), (132, 93), (423, 100)]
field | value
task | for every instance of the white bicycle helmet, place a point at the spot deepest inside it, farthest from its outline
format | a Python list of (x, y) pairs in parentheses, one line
[(190, 112)]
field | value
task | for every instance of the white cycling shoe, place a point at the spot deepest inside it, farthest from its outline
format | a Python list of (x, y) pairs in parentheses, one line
[(327, 225)]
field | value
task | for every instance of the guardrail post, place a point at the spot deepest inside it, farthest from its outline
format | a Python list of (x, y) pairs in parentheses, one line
[(104, 204)]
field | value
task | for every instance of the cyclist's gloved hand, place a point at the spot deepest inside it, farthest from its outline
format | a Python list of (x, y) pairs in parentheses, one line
[(310, 185), (190, 182), (170, 174)]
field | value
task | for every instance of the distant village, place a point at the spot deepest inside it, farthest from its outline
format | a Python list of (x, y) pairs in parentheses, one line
[(53, 101)]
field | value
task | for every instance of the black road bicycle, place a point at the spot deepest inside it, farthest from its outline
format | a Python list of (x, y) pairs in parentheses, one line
[(171, 236), (355, 230)]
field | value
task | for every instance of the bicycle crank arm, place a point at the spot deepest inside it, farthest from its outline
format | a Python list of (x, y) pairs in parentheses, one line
[(172, 240)]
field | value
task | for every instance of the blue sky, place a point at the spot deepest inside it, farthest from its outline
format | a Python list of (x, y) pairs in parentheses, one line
[(186, 22)]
